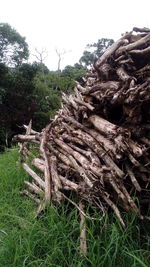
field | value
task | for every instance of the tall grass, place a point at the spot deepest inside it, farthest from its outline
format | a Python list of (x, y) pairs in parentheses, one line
[(53, 239)]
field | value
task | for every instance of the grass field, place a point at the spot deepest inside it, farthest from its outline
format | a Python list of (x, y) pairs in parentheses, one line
[(53, 239)]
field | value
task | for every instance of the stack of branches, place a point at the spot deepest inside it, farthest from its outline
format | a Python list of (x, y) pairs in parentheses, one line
[(98, 143)]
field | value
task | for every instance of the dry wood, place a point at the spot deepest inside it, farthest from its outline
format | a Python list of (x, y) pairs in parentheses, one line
[(136, 29), (34, 175), (46, 169), (114, 207), (55, 178), (103, 87), (135, 148), (103, 125), (89, 140), (28, 194), (39, 164), (142, 52), (97, 146), (69, 183), (110, 51), (31, 130), (25, 138), (83, 240), (142, 41), (34, 188), (87, 105), (107, 144), (122, 74), (81, 171), (133, 179)]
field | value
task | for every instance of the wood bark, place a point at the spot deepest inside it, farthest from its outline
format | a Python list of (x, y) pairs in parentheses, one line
[(98, 143)]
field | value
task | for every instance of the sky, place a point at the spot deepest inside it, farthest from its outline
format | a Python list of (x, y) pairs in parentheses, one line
[(69, 25)]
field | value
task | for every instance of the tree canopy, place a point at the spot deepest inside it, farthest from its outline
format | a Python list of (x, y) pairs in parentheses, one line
[(75, 72), (13, 47), (94, 51), (32, 91)]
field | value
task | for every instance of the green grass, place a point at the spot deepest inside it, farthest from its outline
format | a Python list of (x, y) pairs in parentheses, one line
[(53, 239)]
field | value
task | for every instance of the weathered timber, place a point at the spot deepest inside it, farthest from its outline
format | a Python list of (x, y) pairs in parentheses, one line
[(98, 144)]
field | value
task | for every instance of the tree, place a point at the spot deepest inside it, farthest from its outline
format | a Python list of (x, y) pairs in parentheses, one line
[(17, 102), (3, 80), (47, 94), (94, 51), (13, 47), (40, 68), (40, 57), (87, 59), (76, 72), (60, 55)]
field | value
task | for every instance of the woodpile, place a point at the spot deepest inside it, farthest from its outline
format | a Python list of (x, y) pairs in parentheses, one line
[(98, 144)]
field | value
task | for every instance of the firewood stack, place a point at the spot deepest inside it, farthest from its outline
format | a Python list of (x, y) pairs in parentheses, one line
[(97, 146)]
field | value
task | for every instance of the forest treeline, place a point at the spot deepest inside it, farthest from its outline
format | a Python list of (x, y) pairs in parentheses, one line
[(31, 90)]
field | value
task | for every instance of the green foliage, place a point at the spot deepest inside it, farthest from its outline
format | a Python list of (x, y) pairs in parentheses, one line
[(13, 47), (47, 93), (3, 77), (87, 58), (40, 68), (17, 104), (76, 72), (56, 81), (53, 238), (31, 91), (15, 83), (101, 46), (95, 51)]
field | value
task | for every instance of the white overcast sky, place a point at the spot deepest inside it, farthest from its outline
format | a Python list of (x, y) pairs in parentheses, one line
[(71, 24)]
